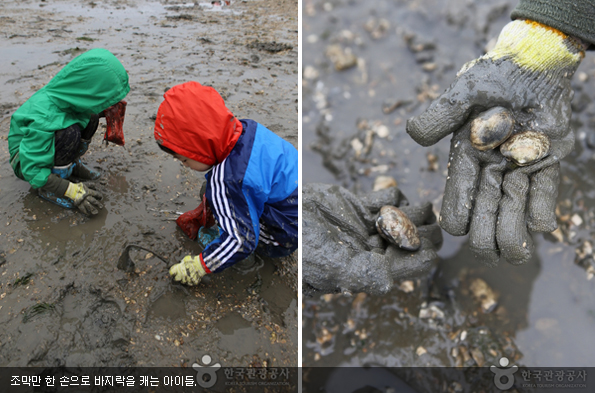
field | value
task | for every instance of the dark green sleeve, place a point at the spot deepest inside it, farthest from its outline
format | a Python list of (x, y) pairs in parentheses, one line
[(573, 17), (56, 184)]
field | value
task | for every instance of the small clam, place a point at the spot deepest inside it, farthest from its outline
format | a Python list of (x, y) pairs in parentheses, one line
[(393, 225), (526, 147), (491, 128)]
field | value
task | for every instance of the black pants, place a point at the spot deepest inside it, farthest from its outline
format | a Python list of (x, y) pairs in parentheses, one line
[(70, 142)]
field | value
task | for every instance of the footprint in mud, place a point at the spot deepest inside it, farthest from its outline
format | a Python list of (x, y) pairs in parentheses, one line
[(98, 324), (237, 335), (276, 297), (168, 306)]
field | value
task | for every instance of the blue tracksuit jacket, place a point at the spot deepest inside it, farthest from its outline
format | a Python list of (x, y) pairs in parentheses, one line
[(253, 195)]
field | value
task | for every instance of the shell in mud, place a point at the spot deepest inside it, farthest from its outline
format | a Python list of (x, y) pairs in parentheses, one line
[(526, 147), (491, 128), (394, 225)]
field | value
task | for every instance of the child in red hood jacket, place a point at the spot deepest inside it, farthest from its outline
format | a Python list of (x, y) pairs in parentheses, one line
[(252, 185)]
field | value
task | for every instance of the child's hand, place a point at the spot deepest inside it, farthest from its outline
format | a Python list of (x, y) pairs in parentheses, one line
[(85, 198), (189, 271)]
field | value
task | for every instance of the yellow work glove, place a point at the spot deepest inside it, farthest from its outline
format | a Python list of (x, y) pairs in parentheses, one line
[(85, 198), (189, 271)]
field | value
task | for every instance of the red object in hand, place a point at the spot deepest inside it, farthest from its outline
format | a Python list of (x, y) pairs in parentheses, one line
[(114, 117), (193, 220)]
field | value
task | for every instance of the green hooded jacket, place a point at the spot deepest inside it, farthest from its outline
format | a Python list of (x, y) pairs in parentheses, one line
[(90, 83)]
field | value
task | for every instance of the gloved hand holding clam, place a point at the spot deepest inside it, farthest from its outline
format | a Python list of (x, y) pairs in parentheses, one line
[(342, 248), (522, 91), (494, 128)]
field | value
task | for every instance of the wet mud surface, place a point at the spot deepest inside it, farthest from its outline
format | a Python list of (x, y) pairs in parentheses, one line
[(62, 299), (367, 68)]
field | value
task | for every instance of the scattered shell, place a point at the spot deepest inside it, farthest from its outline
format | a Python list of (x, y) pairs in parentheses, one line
[(381, 130), (585, 250), (325, 336), (477, 356), (394, 225), (576, 220), (526, 147), (482, 292), (383, 182), (491, 128), (407, 286), (341, 58), (420, 351), (464, 353), (432, 162), (431, 312), (557, 233), (310, 73)]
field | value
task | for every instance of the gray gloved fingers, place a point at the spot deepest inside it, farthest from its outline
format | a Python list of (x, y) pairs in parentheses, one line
[(93, 201), (374, 200), (561, 148), (433, 233), (82, 206), (94, 194), (333, 199), (365, 272), (420, 215), (542, 199), (446, 114), (553, 118), (91, 190), (461, 182), (514, 241), (87, 208), (482, 231), (405, 265), (91, 206)]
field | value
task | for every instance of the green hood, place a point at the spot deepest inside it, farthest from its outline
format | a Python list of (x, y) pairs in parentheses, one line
[(90, 83)]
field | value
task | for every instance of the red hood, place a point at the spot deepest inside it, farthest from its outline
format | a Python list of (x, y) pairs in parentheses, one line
[(194, 122)]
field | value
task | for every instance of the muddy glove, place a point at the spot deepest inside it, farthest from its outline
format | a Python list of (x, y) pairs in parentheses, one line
[(189, 271), (342, 249), (525, 81), (85, 198)]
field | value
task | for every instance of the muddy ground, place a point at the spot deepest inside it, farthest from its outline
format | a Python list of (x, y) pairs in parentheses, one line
[(367, 68), (62, 299)]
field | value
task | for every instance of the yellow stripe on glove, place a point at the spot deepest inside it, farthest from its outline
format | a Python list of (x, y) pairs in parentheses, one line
[(536, 47)]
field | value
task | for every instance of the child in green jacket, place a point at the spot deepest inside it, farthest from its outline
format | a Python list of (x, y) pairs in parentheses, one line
[(52, 129)]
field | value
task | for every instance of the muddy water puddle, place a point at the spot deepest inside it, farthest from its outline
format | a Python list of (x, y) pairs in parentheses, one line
[(63, 301), (367, 68)]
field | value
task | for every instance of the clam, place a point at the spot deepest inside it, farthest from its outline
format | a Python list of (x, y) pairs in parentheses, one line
[(526, 147), (394, 225), (491, 128)]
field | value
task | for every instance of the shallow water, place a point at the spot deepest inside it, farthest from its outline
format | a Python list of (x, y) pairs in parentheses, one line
[(546, 309), (103, 316)]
